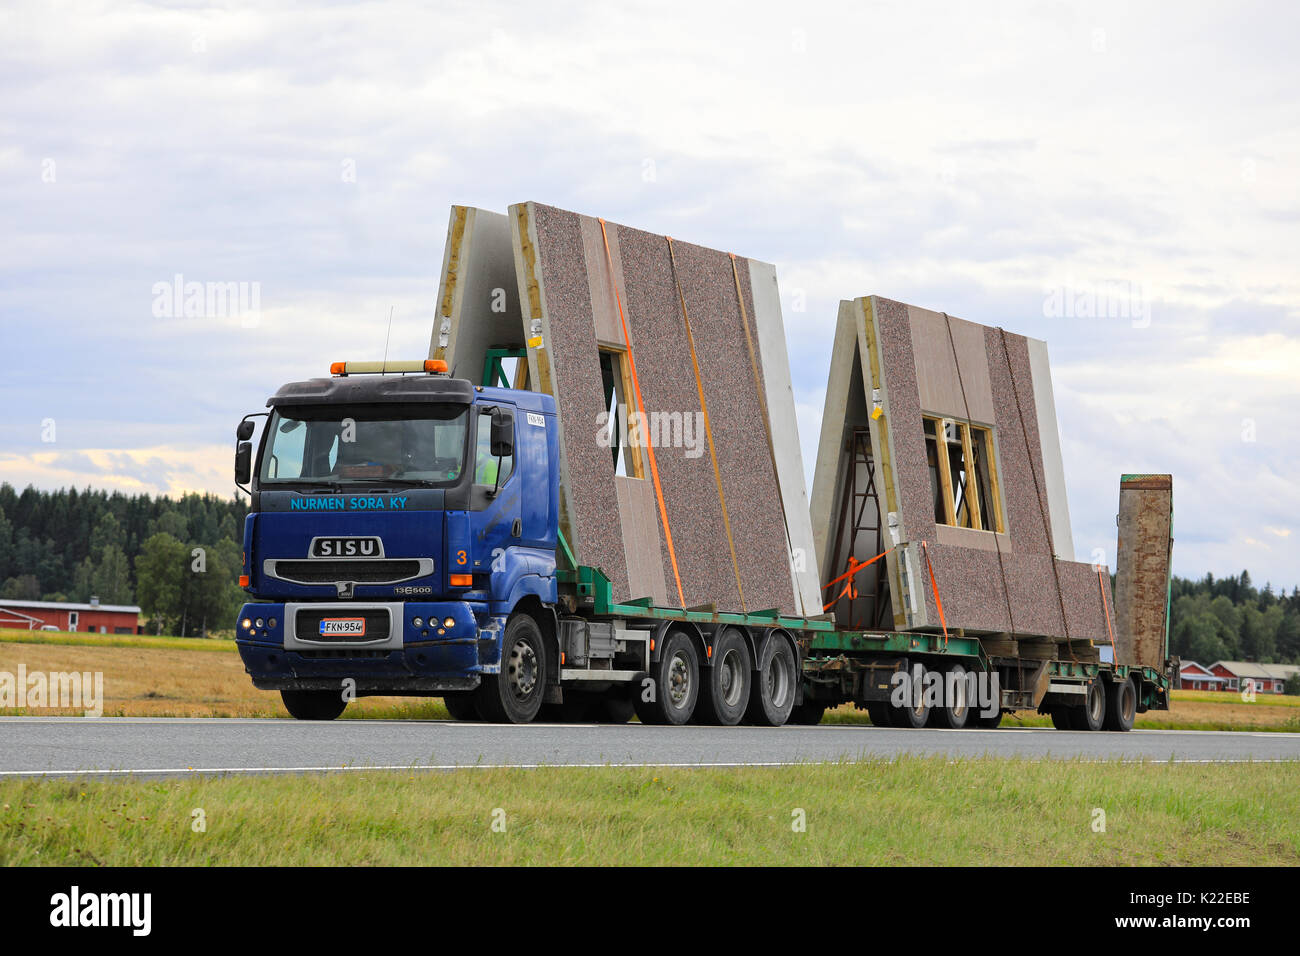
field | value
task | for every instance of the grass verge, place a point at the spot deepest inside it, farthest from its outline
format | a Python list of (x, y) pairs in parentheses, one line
[(928, 811)]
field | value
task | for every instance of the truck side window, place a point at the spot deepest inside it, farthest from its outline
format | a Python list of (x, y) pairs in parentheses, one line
[(485, 467)]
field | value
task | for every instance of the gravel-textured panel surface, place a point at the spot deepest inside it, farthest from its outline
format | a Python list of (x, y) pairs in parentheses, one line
[(903, 414), (579, 396), (576, 280), (970, 580), (739, 434)]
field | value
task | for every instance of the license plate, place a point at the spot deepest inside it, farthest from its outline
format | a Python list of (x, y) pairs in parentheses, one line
[(343, 627)]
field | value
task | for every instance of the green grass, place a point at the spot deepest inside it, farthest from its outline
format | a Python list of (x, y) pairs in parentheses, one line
[(64, 638), (987, 811)]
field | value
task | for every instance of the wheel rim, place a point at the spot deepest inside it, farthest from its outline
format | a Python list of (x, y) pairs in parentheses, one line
[(1128, 703), (1096, 701), (679, 680), (778, 681), (958, 708), (522, 670), (732, 677)]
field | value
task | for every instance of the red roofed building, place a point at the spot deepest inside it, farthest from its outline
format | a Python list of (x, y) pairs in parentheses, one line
[(1267, 678), (92, 618), (1194, 676)]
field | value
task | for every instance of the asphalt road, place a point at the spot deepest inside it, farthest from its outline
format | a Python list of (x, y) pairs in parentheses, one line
[(71, 746)]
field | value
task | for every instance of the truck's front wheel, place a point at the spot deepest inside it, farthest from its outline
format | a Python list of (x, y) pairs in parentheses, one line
[(313, 704), (514, 696)]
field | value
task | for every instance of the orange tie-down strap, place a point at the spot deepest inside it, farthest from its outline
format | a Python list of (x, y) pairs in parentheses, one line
[(849, 590), (640, 406), (1105, 605), (935, 588)]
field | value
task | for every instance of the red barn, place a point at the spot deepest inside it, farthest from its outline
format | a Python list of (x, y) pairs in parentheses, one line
[(1268, 678), (93, 618), (1193, 676)]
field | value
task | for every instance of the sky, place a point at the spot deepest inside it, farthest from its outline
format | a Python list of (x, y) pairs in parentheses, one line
[(1121, 180)]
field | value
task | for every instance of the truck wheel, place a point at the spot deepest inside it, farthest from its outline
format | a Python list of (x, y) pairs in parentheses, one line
[(986, 723), (956, 714), (878, 711), (460, 705), (1121, 706), (917, 712), (1092, 715), (313, 704), (676, 681), (514, 696), (1062, 718), (724, 687), (772, 697), (809, 713)]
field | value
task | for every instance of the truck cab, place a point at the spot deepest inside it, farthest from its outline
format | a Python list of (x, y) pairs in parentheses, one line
[(401, 521)]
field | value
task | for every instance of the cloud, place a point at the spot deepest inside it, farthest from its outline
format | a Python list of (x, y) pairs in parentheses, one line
[(971, 160)]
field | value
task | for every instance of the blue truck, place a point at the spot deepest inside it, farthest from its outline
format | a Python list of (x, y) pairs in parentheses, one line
[(403, 539)]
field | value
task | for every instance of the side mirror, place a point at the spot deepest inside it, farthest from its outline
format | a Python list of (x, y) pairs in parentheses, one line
[(503, 432), (245, 430), (244, 462)]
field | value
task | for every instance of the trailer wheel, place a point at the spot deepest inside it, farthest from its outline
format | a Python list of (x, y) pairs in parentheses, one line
[(514, 696), (809, 713), (460, 705), (724, 687), (772, 698), (878, 711), (1092, 715), (986, 723), (313, 704), (1121, 706), (957, 713), (675, 679), (916, 713), (1062, 718)]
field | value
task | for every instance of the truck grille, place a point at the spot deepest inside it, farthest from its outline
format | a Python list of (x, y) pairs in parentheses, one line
[(373, 571), (306, 625)]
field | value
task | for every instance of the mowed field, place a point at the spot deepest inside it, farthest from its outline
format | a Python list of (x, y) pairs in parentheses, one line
[(910, 810), (179, 677)]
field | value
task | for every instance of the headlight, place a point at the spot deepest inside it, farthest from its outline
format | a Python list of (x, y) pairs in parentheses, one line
[(449, 622), (259, 623), (417, 622), (246, 623)]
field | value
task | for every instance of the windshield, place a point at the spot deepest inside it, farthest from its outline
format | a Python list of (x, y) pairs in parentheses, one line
[(338, 444)]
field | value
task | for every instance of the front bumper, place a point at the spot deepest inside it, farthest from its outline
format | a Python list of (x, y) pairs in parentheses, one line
[(287, 652)]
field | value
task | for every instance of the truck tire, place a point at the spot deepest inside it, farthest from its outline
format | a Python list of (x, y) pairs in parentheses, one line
[(981, 722), (917, 714), (1092, 715), (460, 705), (675, 680), (878, 711), (956, 714), (1062, 718), (808, 714), (724, 687), (772, 697), (313, 704), (1121, 706), (514, 696)]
